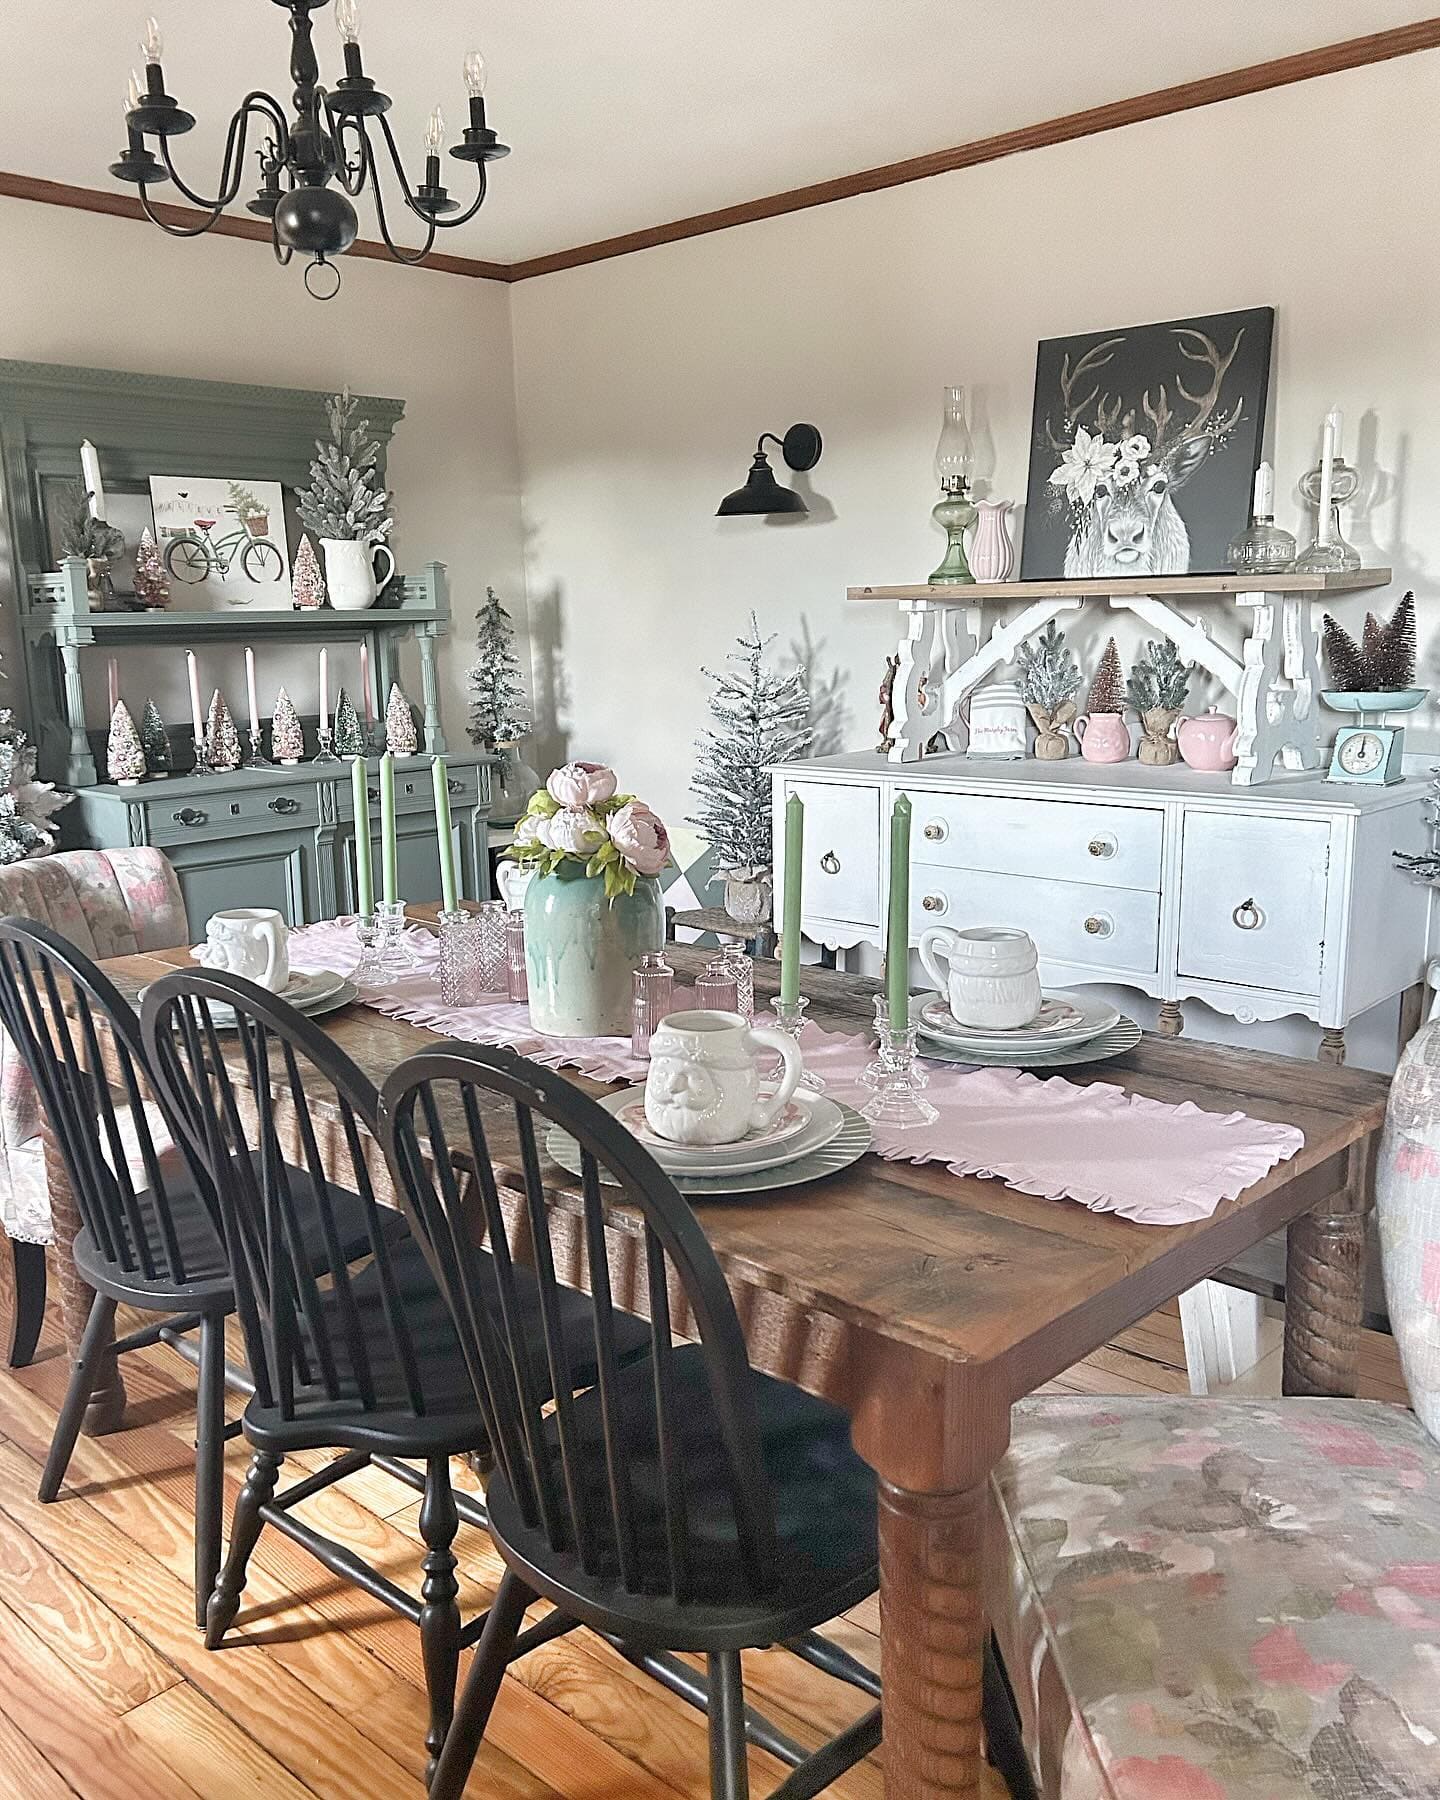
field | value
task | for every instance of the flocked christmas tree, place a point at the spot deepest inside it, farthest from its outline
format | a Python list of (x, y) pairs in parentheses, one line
[(761, 717), (287, 738), (222, 740), (499, 713), (400, 737), (1158, 679), (345, 498), (27, 806), (1049, 673), (155, 740), (307, 584), (124, 754), (1107, 687), (152, 584), (1383, 662), (349, 738)]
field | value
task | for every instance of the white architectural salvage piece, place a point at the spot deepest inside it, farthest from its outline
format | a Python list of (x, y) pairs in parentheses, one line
[(946, 651)]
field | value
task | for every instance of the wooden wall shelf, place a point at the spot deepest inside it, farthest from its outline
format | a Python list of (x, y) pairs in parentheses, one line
[(1195, 587)]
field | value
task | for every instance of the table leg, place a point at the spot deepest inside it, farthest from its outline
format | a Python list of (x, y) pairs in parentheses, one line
[(106, 1411), (932, 1641), (1325, 1298)]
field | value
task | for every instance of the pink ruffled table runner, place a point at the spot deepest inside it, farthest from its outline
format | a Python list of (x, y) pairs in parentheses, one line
[(1112, 1151)]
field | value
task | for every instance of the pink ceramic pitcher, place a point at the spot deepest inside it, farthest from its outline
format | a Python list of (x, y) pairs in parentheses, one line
[(1104, 737)]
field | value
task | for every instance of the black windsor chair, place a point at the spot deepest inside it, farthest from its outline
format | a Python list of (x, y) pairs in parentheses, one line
[(683, 1504)]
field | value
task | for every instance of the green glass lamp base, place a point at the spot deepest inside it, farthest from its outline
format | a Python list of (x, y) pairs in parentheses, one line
[(954, 514)]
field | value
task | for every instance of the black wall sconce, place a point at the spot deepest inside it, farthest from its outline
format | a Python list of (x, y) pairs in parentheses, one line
[(762, 493)]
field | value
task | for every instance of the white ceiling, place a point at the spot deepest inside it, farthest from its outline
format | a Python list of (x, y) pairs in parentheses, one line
[(629, 113)]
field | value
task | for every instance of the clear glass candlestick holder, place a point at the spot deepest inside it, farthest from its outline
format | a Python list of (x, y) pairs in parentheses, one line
[(492, 956), (653, 995), (790, 1018), (257, 758), (897, 1079), (203, 764), (372, 969), (326, 752), (517, 974), (396, 950), (459, 959)]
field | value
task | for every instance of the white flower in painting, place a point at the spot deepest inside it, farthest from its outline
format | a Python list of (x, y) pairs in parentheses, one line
[(1126, 471), (1136, 448), (1082, 465)]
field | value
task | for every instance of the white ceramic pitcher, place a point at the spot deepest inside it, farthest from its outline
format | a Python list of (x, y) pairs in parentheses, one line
[(989, 974), (350, 578), (704, 1080), (251, 941)]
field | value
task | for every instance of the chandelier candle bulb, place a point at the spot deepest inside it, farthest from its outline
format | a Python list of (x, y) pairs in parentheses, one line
[(197, 718), (364, 879), (389, 885), (449, 894), (790, 913), (897, 936)]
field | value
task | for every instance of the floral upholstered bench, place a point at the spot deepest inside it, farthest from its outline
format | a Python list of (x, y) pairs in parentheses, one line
[(1221, 1599)]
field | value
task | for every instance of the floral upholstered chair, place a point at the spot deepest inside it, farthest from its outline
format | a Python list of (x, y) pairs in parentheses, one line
[(107, 903), (1211, 1599)]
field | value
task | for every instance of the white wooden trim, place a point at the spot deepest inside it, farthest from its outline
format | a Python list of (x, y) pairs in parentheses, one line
[(1221, 1329)]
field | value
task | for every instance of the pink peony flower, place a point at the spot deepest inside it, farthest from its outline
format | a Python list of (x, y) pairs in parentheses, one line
[(582, 784), (577, 831), (640, 837)]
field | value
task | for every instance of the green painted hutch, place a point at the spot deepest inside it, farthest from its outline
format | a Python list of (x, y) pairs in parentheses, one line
[(268, 837)]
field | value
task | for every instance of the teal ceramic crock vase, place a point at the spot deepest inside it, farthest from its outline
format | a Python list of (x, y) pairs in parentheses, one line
[(582, 949)]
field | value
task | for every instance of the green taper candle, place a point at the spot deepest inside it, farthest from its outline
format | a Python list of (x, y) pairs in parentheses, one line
[(389, 887), (449, 897), (364, 880), (897, 934), (790, 910)]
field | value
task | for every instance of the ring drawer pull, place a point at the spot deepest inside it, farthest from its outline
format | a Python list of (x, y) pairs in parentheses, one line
[(190, 815), (284, 804), (1099, 926), (934, 831), (830, 863), (1248, 916), (933, 903), (1103, 847)]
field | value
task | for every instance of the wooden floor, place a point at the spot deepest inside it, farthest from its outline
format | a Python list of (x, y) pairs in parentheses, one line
[(107, 1693)]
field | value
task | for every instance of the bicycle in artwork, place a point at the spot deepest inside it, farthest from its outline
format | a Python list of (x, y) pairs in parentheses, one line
[(193, 556)]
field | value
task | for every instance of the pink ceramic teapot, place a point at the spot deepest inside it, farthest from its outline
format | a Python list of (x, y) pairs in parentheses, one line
[(1208, 742)]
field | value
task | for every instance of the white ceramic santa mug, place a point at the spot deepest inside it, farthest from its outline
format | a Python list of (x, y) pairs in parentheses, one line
[(704, 1080), (251, 941)]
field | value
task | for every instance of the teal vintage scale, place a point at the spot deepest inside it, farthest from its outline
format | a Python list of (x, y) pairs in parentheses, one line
[(1370, 751)]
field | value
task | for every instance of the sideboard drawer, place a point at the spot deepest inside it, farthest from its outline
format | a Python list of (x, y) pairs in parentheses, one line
[(253, 809), (1113, 846), (1252, 900), (1071, 922), (842, 851)]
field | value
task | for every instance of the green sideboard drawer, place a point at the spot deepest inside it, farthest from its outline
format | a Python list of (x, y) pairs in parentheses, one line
[(206, 815)]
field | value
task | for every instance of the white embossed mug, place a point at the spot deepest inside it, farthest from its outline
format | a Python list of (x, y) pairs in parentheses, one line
[(251, 941), (704, 1080), (988, 974)]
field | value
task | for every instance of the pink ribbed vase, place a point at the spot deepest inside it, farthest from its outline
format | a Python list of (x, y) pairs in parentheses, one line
[(992, 555)]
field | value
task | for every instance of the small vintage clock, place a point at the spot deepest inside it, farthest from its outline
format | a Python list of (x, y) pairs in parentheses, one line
[(1370, 751)]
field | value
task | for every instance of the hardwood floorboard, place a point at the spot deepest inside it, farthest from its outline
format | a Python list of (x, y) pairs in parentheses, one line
[(107, 1692)]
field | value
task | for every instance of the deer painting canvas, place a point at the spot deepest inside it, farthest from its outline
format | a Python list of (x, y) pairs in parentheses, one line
[(1144, 446)]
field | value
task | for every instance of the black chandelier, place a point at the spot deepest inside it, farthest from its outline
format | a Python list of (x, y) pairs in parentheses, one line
[(327, 142)]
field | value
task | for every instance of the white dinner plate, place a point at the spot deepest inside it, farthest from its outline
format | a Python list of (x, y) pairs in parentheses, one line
[(336, 992), (1067, 1018), (1123, 1035), (794, 1116), (824, 1121), (848, 1145)]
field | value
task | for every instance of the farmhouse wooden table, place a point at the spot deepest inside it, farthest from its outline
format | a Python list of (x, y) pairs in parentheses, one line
[(926, 1305)]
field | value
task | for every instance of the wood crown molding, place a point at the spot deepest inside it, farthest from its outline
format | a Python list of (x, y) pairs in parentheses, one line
[(1187, 96)]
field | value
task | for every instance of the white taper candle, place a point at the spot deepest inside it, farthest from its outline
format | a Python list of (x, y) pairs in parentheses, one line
[(112, 672), (250, 691), (1327, 480), (324, 690), (197, 718), (1264, 504)]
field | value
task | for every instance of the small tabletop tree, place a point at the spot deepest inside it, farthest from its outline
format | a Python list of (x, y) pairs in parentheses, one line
[(1049, 681), (1158, 684)]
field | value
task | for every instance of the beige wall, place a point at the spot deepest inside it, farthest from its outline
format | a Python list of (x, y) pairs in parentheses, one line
[(642, 383), (109, 293)]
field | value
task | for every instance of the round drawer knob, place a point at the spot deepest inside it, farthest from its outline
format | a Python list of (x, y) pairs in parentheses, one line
[(1248, 916), (1099, 926), (933, 903), (830, 863), (190, 815), (1103, 847), (934, 831), (284, 804)]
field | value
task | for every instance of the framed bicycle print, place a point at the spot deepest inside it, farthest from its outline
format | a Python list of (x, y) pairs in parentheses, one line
[(222, 541)]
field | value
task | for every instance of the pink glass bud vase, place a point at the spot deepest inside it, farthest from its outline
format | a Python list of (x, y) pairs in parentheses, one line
[(1104, 737), (992, 554)]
